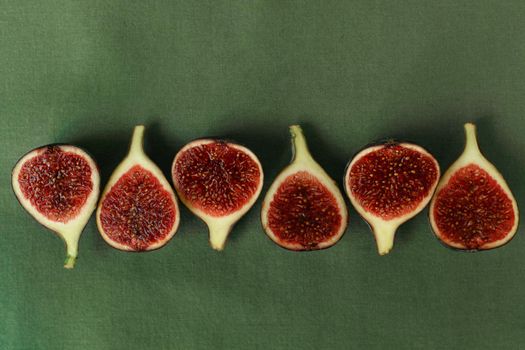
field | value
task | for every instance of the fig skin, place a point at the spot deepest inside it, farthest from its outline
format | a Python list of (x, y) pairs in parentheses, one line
[(71, 246), (406, 217), (472, 155), (219, 226), (137, 156), (302, 160)]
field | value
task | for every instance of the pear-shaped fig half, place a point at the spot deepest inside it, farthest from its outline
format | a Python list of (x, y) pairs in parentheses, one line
[(138, 210), (59, 186), (304, 209), (389, 184), (219, 181), (473, 208)]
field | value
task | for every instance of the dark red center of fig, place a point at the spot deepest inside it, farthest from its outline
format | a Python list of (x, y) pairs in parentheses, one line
[(57, 183), (392, 181), (472, 209), (137, 212), (216, 178), (303, 211)]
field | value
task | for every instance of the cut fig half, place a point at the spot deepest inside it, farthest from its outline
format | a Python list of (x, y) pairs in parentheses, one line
[(138, 210), (219, 181), (473, 208), (303, 209), (59, 186), (389, 184)]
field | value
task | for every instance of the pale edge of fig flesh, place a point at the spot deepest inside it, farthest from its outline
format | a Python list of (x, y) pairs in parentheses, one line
[(219, 227), (472, 155), (70, 231), (302, 160), (137, 156), (385, 230)]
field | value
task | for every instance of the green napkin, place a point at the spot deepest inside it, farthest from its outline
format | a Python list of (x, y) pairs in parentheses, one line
[(350, 72)]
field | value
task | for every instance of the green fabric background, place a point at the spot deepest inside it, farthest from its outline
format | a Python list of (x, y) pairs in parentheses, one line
[(85, 72)]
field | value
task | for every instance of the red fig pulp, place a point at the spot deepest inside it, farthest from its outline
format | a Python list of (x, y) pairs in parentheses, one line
[(138, 210), (219, 182), (473, 208), (59, 186), (304, 209), (388, 184)]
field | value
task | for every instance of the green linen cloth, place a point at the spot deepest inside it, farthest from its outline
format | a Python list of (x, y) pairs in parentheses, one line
[(351, 72)]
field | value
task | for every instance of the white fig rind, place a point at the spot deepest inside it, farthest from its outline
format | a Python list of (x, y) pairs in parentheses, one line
[(384, 230), (137, 156), (219, 227), (69, 231), (302, 160), (472, 155)]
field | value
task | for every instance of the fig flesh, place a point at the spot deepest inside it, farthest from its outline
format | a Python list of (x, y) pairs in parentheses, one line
[(138, 210), (473, 207), (59, 186), (303, 209), (219, 181), (389, 184)]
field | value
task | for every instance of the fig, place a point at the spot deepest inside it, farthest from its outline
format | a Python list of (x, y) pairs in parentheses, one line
[(138, 210), (388, 184), (473, 208), (59, 186), (219, 181), (303, 209)]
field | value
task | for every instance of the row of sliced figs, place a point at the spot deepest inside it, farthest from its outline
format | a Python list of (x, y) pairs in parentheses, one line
[(471, 207)]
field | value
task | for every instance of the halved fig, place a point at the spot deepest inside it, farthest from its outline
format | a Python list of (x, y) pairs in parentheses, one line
[(59, 186), (219, 181), (304, 209), (389, 184), (138, 210), (473, 208)]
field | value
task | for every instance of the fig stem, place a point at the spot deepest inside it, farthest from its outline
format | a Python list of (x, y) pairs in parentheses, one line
[(471, 143), (384, 239), (70, 261), (137, 140), (218, 235), (71, 240), (299, 146)]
